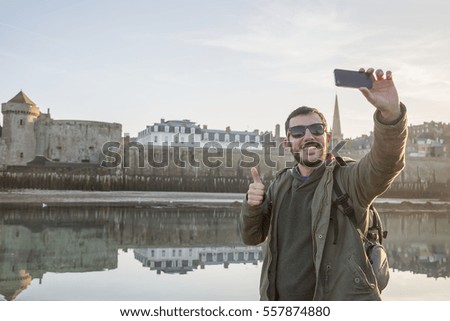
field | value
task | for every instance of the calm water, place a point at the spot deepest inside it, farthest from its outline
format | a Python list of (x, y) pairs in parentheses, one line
[(182, 253)]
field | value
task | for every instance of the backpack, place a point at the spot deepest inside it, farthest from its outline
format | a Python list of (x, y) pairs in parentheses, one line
[(372, 240)]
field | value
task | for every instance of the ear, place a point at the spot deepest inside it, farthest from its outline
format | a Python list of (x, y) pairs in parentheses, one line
[(328, 138), (286, 142)]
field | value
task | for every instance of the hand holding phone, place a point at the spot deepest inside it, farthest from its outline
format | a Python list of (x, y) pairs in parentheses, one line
[(352, 79)]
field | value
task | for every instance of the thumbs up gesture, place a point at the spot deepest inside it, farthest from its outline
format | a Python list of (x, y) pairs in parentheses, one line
[(255, 194)]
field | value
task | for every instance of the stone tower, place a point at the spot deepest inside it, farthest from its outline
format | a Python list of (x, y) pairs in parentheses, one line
[(336, 129), (19, 116)]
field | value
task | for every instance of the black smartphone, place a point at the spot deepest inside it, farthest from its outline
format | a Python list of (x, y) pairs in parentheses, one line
[(352, 79)]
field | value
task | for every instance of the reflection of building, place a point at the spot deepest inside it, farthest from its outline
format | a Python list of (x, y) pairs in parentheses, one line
[(36, 240), (419, 242), (27, 253), (12, 284), (27, 133), (420, 258), (183, 260)]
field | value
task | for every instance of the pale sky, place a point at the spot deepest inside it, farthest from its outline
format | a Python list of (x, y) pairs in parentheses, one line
[(244, 64)]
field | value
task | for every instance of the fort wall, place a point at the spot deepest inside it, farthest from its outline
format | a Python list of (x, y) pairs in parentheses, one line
[(75, 141), (427, 178)]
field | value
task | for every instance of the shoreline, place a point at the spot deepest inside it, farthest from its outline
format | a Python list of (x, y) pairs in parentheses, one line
[(136, 198)]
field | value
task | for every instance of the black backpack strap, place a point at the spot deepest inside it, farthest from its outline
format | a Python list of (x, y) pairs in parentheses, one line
[(341, 200), (375, 232)]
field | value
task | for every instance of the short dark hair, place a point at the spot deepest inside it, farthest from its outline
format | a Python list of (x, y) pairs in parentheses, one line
[(304, 110)]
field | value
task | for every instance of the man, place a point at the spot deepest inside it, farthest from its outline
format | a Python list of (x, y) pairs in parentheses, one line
[(306, 256)]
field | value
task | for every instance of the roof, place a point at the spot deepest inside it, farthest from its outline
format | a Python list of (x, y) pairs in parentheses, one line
[(21, 98)]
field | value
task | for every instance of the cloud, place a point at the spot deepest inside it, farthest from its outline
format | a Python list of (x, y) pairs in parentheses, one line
[(303, 41)]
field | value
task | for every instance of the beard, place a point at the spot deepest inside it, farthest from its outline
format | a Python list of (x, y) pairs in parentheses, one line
[(304, 158)]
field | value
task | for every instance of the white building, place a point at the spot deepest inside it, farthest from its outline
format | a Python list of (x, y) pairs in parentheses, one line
[(186, 132), (172, 131)]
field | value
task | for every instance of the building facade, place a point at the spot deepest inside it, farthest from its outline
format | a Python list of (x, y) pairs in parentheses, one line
[(27, 133), (184, 132), (172, 131), (430, 139)]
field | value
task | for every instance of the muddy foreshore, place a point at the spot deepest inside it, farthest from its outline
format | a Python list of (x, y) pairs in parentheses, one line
[(44, 198)]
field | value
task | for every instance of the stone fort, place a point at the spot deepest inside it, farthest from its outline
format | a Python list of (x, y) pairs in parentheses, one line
[(29, 134)]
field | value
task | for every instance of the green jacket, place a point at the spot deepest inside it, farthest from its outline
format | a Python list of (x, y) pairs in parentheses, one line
[(343, 271)]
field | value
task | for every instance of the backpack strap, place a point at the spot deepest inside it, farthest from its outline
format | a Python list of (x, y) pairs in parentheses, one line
[(375, 231), (341, 200)]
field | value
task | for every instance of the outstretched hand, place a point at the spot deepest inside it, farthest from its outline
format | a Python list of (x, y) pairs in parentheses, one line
[(383, 94), (255, 194)]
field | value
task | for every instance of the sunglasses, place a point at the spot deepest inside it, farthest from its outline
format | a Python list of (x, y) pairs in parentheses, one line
[(300, 131)]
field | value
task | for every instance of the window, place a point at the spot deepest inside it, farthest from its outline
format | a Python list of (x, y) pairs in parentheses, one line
[(183, 130), (216, 136), (237, 138), (21, 155), (21, 122), (155, 139), (227, 138)]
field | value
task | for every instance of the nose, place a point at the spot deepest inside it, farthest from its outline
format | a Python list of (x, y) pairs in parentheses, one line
[(308, 134)]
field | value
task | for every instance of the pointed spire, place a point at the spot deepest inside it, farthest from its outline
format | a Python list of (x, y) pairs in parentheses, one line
[(21, 98), (337, 133)]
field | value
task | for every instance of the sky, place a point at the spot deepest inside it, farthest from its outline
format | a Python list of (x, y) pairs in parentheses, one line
[(240, 63)]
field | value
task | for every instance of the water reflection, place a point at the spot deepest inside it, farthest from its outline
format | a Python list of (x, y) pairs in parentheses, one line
[(183, 260), (176, 240), (419, 242)]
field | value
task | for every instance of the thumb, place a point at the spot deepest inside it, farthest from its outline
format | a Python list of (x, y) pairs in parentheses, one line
[(366, 92), (255, 175)]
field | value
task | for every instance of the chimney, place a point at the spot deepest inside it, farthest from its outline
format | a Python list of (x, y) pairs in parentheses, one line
[(277, 132)]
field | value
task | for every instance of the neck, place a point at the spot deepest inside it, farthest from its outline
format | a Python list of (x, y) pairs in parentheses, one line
[(304, 170)]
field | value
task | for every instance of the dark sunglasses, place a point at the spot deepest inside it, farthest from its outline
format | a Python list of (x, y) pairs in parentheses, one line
[(300, 131)]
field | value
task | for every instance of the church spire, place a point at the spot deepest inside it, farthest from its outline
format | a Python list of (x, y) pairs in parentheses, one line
[(336, 129)]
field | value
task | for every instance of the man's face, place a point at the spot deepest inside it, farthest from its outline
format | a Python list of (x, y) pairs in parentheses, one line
[(311, 148)]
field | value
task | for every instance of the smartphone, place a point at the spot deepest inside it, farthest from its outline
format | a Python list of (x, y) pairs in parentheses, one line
[(352, 79)]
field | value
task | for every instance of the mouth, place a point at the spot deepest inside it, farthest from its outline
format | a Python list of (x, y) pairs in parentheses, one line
[(308, 145)]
